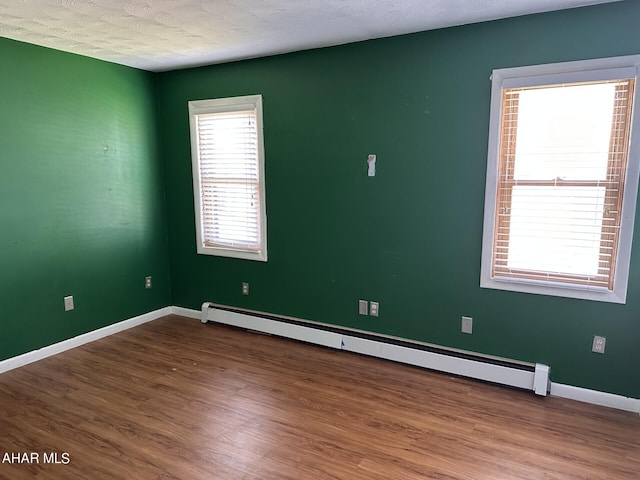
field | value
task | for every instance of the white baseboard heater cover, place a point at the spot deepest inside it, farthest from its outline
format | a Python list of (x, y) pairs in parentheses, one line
[(534, 377)]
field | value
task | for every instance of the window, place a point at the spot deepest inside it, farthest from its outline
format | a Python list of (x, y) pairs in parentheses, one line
[(562, 179), (228, 177)]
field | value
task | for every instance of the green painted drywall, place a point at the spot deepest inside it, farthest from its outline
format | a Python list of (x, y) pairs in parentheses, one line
[(409, 238), (81, 196)]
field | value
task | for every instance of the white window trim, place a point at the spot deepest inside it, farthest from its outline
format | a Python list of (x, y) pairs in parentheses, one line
[(199, 107), (568, 72)]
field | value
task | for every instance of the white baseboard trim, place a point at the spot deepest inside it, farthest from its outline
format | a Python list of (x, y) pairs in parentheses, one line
[(381, 349), (442, 362), (468, 364), (280, 329), (378, 349), (185, 312), (44, 352), (596, 397)]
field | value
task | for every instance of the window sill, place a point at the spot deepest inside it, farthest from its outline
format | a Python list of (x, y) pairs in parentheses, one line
[(259, 256), (566, 290)]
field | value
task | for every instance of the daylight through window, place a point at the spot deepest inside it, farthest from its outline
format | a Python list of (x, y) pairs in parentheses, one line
[(228, 166), (560, 164)]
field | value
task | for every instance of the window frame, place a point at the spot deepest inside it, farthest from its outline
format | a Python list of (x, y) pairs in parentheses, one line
[(226, 105), (553, 74)]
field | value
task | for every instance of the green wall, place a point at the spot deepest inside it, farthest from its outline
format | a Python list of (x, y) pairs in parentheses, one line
[(81, 196), (409, 238), (89, 151)]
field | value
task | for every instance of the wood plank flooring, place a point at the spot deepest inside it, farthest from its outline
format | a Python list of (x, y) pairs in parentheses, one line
[(175, 399)]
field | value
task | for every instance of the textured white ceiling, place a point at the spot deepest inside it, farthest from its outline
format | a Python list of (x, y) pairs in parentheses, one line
[(160, 35)]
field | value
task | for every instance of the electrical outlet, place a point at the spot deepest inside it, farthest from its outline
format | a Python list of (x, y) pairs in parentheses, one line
[(68, 303), (467, 325), (245, 288), (598, 344), (363, 307), (147, 282), (374, 309)]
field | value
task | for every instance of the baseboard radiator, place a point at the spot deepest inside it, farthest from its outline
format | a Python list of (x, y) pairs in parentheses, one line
[(528, 376)]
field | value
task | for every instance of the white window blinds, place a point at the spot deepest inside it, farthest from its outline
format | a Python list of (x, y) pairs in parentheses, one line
[(563, 165), (228, 177), (563, 158)]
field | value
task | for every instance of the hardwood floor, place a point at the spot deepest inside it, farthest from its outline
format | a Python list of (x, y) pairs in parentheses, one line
[(175, 399)]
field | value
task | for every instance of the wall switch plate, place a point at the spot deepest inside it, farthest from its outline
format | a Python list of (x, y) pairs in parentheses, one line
[(374, 309), (245, 288), (68, 303), (598, 344), (467, 325), (147, 282), (363, 307)]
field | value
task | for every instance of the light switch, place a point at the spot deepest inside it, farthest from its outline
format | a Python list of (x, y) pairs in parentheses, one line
[(363, 307)]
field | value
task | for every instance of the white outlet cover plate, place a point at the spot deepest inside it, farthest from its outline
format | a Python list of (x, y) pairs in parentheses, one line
[(68, 303), (467, 325), (599, 344)]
